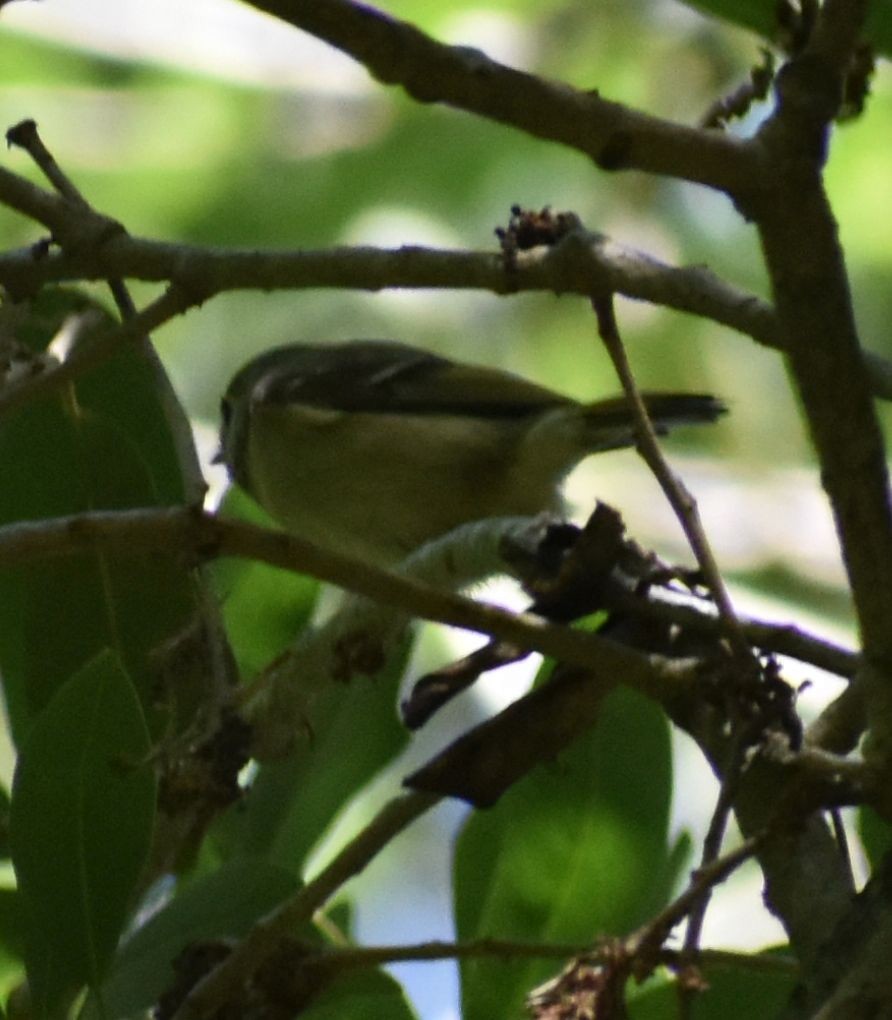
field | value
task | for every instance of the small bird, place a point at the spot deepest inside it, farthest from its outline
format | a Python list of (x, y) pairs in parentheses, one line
[(373, 448)]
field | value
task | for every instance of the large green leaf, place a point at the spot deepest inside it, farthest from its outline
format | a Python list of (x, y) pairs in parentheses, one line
[(104, 443), (81, 824), (223, 905), (572, 852)]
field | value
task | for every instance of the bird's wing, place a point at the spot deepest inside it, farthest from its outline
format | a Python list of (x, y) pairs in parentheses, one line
[(385, 376)]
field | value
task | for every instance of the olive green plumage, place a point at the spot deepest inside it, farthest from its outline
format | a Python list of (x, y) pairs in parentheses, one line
[(373, 447)]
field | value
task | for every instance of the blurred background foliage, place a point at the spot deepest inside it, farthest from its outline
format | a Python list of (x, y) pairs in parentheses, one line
[(214, 124), (221, 126)]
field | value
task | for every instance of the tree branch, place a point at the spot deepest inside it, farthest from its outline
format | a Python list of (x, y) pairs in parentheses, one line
[(779, 638), (816, 318), (712, 873), (583, 262), (614, 136), (355, 957), (192, 533), (580, 263)]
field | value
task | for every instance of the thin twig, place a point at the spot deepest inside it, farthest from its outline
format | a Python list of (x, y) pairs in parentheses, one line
[(651, 937), (686, 511), (679, 497), (122, 297), (354, 957), (25, 136), (712, 847), (341, 958), (172, 302)]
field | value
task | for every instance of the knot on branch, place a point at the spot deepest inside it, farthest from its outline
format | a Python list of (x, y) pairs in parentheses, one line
[(809, 95)]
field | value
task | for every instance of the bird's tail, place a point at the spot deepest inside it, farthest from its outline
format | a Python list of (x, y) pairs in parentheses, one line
[(613, 423)]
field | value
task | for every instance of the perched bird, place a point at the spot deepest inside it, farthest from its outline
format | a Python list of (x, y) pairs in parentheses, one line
[(373, 448)]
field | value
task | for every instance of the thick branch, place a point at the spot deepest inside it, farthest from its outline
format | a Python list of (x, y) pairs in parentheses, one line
[(614, 136), (815, 311), (816, 319)]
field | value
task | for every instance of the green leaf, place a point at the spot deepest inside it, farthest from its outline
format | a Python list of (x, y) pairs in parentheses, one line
[(760, 17), (570, 853), (876, 835), (56, 614), (757, 15), (223, 905), (12, 923), (733, 993), (365, 995), (81, 825), (264, 609), (102, 444)]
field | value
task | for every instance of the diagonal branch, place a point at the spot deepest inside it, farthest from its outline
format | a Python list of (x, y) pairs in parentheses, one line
[(213, 991), (189, 532), (614, 136), (171, 303), (677, 494)]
